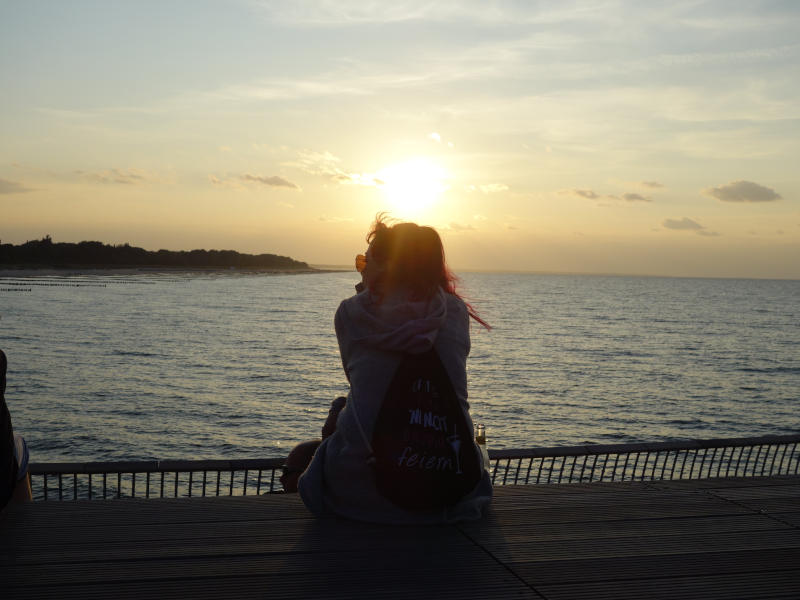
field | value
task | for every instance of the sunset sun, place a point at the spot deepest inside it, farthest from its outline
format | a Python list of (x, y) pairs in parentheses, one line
[(413, 187)]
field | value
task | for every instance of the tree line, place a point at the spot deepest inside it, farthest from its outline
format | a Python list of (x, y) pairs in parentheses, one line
[(46, 253)]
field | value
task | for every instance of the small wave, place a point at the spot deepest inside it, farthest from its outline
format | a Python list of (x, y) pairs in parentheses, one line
[(771, 370), (686, 422), (135, 353)]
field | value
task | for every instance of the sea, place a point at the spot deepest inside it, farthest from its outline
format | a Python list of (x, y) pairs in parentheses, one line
[(168, 365)]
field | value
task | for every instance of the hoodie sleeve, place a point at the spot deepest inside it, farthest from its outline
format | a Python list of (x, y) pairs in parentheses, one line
[(342, 335)]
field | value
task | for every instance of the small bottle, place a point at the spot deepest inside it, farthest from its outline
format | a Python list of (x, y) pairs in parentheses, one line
[(480, 439)]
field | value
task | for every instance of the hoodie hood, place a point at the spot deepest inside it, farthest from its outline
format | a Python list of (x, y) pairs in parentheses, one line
[(409, 327)]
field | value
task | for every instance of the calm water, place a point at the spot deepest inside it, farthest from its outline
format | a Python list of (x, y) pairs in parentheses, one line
[(223, 366)]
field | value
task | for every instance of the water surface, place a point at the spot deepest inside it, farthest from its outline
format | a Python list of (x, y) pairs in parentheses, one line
[(232, 365)]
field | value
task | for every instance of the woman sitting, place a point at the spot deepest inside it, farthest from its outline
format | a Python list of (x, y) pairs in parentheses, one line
[(404, 338)]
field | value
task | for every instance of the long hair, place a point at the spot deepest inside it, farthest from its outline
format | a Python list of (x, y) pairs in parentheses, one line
[(412, 257)]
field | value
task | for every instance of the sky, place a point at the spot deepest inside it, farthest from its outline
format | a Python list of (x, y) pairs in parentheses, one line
[(598, 136)]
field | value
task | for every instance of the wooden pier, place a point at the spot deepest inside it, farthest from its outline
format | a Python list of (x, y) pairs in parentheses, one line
[(718, 538)]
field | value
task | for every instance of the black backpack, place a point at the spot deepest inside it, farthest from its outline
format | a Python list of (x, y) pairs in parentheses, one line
[(425, 456)]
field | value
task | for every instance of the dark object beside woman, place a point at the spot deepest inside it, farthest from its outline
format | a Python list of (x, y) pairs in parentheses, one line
[(14, 480)]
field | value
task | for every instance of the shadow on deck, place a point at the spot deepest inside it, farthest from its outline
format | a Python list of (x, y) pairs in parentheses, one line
[(717, 538)]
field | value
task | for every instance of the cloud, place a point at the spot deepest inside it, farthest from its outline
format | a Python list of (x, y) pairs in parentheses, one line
[(273, 181), (435, 137), (327, 13), (492, 188), (325, 164), (325, 219), (685, 224), (630, 197), (589, 194), (12, 187), (742, 191), (317, 163), (237, 181), (592, 195), (116, 176), (459, 227), (358, 179), (652, 184)]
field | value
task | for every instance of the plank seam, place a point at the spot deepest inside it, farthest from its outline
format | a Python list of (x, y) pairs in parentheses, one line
[(666, 577), (504, 565), (757, 511)]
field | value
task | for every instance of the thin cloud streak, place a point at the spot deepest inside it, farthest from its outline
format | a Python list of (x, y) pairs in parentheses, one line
[(687, 224), (116, 176), (12, 187), (588, 194), (684, 224), (458, 227), (326, 165), (272, 181), (332, 13), (632, 197), (241, 181), (493, 188)]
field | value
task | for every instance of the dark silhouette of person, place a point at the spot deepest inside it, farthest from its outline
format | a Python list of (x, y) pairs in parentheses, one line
[(14, 479)]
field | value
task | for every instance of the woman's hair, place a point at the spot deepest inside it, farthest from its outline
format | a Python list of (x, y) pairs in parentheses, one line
[(412, 257)]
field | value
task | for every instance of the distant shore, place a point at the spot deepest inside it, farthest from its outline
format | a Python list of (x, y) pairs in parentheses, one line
[(83, 271)]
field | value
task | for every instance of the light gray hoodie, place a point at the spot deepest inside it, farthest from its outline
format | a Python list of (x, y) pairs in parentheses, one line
[(372, 339)]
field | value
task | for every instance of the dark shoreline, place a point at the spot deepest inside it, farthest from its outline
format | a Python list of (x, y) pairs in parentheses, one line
[(83, 270)]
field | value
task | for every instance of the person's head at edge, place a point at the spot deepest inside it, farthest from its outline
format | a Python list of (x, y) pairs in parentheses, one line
[(15, 454)]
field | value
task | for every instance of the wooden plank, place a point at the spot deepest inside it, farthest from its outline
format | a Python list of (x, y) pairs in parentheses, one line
[(771, 505), (620, 528), (101, 513), (745, 586), (576, 570), (759, 492), (643, 546), (130, 532), (727, 482), (245, 565), (587, 497), (323, 535), (616, 508), (400, 585), (791, 518)]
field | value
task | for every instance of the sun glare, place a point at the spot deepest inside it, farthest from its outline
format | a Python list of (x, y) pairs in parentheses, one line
[(413, 187)]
